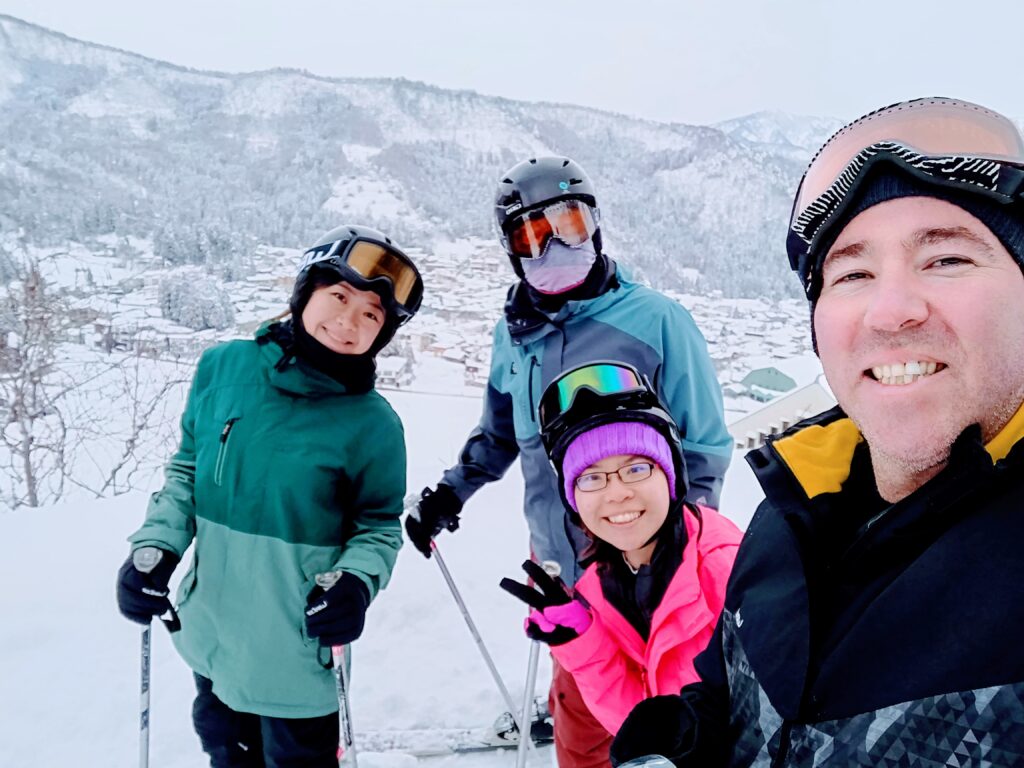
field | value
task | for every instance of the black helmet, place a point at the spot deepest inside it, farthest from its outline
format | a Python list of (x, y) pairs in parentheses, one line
[(537, 182), (369, 260), (597, 393)]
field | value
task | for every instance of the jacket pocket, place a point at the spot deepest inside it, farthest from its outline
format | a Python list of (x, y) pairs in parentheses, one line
[(222, 450)]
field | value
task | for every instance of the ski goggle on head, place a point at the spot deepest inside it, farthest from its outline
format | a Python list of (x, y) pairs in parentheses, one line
[(368, 264), (594, 389), (571, 221), (945, 142)]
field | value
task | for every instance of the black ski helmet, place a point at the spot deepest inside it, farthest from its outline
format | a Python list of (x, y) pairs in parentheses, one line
[(597, 393), (325, 263), (537, 182)]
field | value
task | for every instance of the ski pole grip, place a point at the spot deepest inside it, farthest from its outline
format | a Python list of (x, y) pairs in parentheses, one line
[(552, 568), (145, 559), (327, 579)]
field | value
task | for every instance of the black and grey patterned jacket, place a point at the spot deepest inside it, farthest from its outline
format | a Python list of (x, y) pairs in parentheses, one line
[(858, 633)]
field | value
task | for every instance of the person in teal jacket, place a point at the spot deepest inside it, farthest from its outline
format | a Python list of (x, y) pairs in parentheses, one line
[(290, 466), (572, 305)]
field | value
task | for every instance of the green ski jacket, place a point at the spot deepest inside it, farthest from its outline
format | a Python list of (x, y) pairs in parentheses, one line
[(281, 475)]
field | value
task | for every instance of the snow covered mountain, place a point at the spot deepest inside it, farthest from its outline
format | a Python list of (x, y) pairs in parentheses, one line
[(96, 140), (779, 130)]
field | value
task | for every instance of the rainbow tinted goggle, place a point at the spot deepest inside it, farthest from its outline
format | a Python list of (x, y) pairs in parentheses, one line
[(571, 221), (371, 265), (945, 142), (584, 396)]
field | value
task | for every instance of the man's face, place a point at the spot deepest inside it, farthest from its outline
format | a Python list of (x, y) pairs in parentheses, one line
[(920, 328)]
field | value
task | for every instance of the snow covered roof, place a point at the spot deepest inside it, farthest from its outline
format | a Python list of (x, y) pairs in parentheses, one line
[(802, 369)]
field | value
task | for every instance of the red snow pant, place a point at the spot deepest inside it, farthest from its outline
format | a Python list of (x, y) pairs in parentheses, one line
[(580, 740)]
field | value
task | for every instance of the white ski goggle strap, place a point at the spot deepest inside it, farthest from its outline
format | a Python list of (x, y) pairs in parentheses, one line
[(944, 141)]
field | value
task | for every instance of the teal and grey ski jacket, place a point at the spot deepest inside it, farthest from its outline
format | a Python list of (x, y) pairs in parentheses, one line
[(629, 323), (280, 476)]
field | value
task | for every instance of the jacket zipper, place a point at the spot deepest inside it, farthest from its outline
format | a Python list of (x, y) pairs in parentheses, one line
[(222, 451), (533, 364)]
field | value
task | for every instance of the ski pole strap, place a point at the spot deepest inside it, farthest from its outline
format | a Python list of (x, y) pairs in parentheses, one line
[(173, 623)]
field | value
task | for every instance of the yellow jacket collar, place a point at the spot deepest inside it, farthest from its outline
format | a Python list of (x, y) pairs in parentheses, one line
[(819, 455)]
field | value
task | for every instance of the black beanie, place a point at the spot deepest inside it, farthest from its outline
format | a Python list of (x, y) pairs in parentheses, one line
[(888, 183)]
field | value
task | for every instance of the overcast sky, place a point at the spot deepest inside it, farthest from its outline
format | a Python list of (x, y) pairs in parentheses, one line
[(693, 61)]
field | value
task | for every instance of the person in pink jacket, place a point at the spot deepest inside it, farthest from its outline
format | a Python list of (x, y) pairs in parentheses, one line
[(657, 565)]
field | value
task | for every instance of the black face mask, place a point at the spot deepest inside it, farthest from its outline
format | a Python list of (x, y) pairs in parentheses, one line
[(355, 372)]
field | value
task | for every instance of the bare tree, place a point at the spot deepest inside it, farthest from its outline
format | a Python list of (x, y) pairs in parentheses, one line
[(33, 321), (72, 416), (126, 424)]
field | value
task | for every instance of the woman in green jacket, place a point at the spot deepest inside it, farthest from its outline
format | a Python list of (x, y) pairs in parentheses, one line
[(291, 465)]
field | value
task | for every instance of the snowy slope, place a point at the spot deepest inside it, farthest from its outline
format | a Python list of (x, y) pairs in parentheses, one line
[(69, 662)]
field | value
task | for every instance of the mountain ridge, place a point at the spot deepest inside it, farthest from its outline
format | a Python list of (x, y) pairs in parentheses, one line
[(100, 140)]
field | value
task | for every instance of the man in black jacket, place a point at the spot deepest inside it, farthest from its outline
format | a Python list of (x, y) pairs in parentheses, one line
[(873, 616)]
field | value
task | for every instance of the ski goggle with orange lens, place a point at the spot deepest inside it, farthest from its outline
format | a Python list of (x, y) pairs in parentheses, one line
[(571, 221), (946, 142), (596, 390), (371, 263)]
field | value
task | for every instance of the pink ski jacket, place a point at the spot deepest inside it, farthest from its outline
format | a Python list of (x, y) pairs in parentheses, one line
[(610, 662)]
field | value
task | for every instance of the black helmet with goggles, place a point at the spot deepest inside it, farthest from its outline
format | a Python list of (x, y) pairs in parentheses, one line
[(370, 261), (541, 198), (597, 393)]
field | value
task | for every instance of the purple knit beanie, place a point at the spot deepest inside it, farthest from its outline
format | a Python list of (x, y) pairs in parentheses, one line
[(620, 438)]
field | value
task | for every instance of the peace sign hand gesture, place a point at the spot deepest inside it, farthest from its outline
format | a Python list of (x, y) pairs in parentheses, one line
[(558, 616)]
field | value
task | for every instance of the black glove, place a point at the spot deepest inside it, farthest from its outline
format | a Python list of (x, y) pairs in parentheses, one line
[(141, 596), (336, 616), (662, 725), (558, 616), (436, 510)]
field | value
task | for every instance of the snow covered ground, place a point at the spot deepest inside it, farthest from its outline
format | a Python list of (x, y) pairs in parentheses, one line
[(69, 662)]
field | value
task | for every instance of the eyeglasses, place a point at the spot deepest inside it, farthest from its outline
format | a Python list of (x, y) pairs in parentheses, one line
[(571, 221), (631, 473), (946, 141), (373, 261)]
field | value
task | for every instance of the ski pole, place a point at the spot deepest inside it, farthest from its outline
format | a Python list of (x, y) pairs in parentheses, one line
[(554, 570), (347, 748), (525, 737), (145, 560), (144, 701), (476, 635)]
